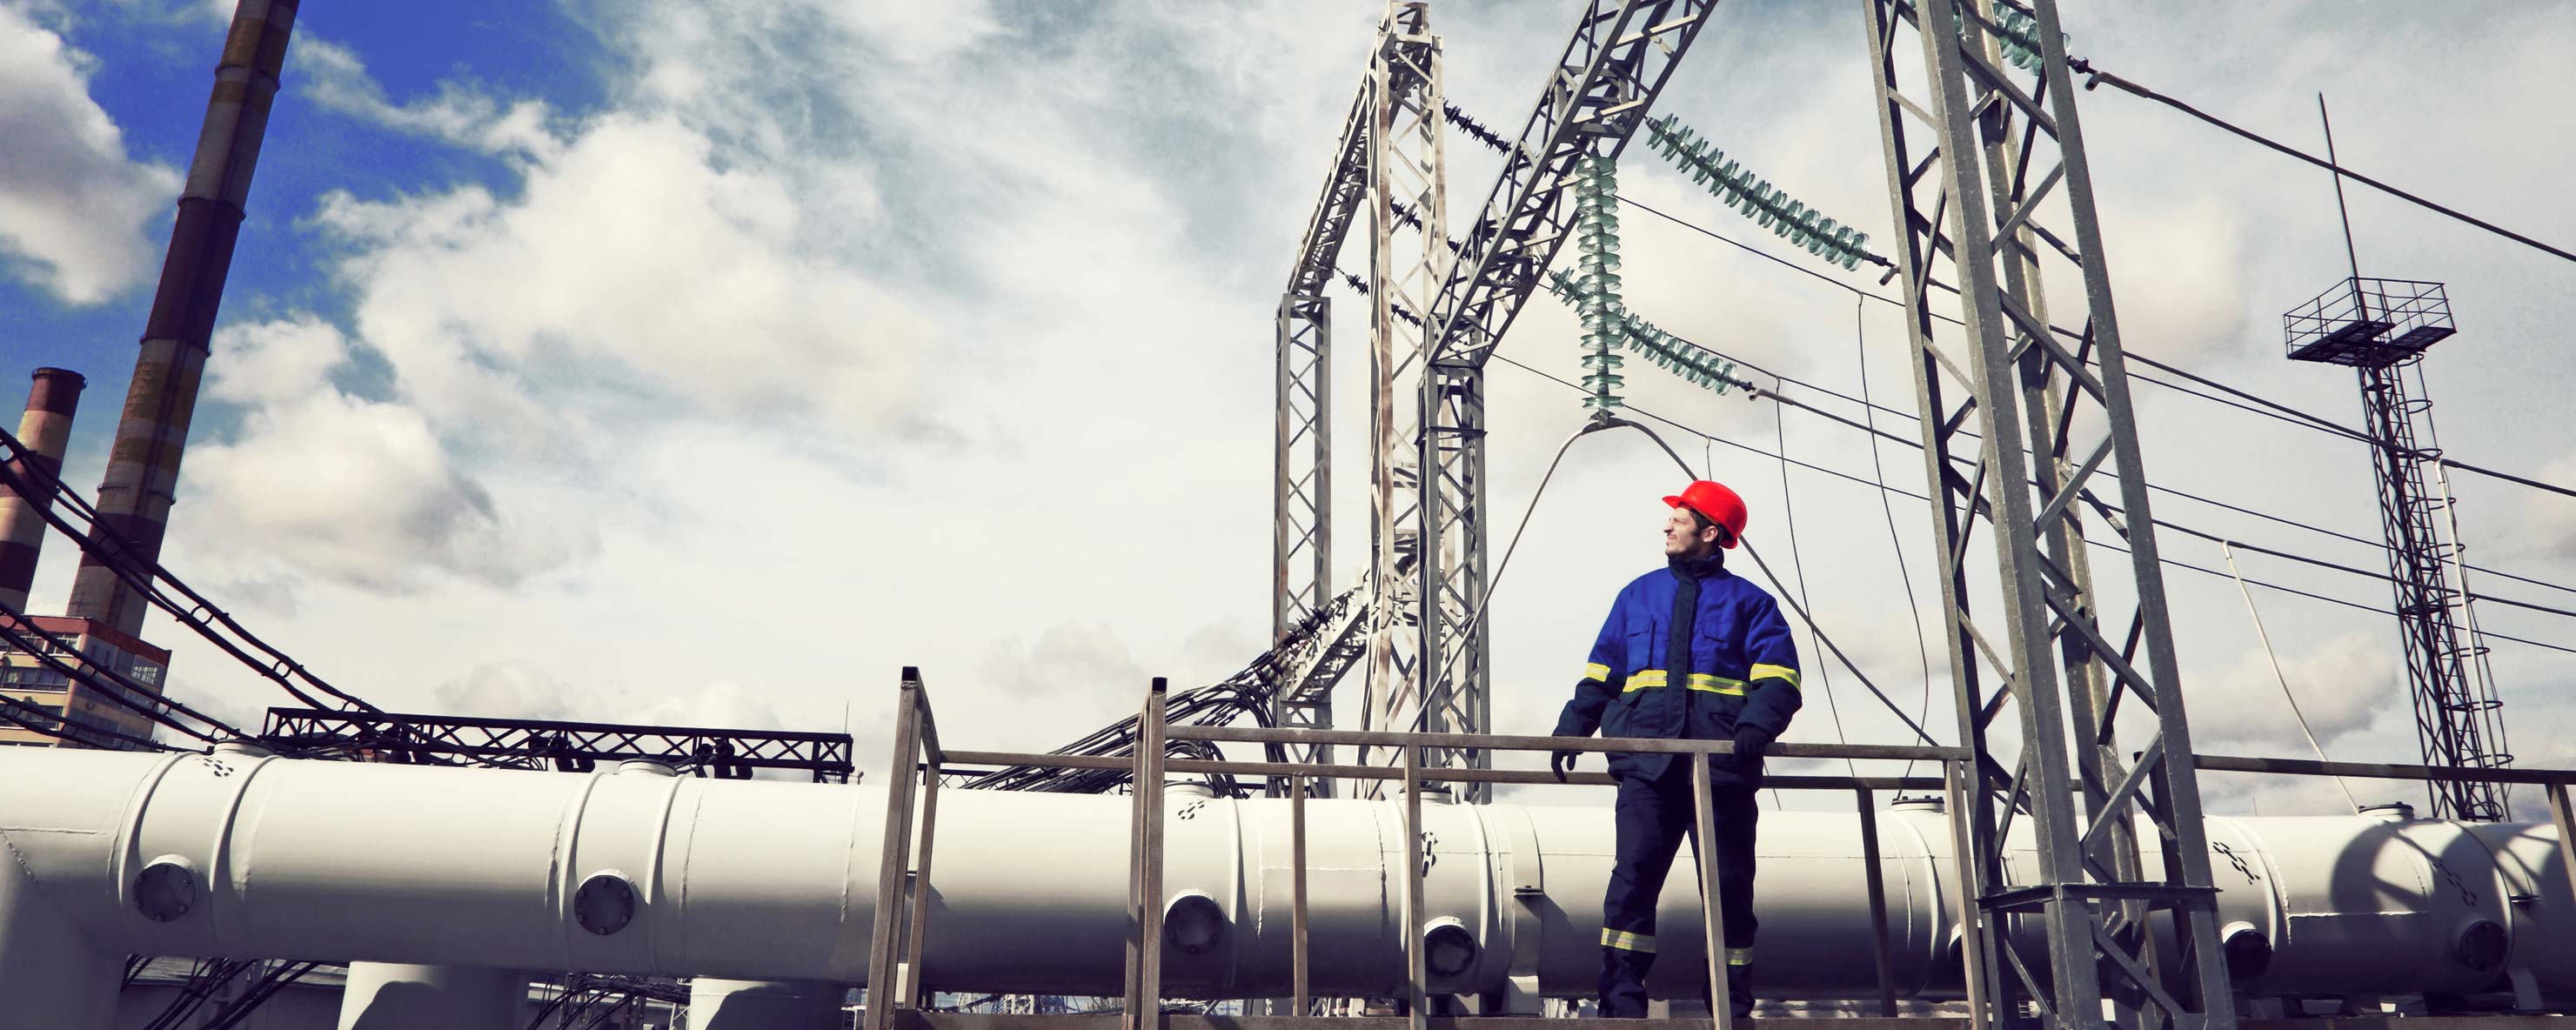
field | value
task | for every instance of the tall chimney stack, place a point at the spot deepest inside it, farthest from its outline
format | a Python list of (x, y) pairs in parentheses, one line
[(143, 467), (45, 429)]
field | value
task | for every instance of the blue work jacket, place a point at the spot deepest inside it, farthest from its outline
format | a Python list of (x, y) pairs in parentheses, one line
[(1743, 670)]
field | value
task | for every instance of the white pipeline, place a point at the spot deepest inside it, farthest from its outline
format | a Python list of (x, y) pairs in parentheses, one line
[(243, 856)]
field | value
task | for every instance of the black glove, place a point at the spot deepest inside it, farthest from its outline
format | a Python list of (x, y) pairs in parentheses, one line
[(1750, 743), (1561, 763)]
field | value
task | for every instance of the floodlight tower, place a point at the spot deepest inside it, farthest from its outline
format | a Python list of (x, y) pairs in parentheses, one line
[(2382, 328)]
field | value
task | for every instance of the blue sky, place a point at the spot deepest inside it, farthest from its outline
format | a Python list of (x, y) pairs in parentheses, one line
[(707, 361)]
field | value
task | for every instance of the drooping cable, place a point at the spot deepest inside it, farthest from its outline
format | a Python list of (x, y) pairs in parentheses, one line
[(105, 682), (2277, 676), (35, 720), (122, 557), (1901, 492), (1798, 566), (1887, 509)]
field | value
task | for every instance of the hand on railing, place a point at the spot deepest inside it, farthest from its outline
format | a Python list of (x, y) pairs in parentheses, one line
[(1561, 763)]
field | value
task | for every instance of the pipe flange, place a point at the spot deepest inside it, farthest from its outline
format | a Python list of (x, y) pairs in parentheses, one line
[(605, 902), (166, 888)]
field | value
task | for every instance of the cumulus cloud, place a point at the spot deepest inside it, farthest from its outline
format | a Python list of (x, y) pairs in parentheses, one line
[(2342, 687), (637, 261), (364, 490), (75, 210)]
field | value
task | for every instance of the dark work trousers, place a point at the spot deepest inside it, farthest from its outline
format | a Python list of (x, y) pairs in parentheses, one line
[(1654, 816)]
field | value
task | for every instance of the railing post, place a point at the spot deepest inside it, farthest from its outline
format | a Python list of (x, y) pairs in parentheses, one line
[(895, 858), (1131, 1011), (2565, 816), (1956, 777), (1878, 946), (1298, 970), (1721, 999), (1419, 998), (915, 985), (1149, 791)]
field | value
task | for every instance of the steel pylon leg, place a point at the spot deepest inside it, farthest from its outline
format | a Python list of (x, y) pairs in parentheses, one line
[(1980, 161)]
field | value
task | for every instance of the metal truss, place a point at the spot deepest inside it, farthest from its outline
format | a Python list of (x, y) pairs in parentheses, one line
[(1407, 167), (2458, 718), (1302, 517), (565, 746), (1302, 523), (1987, 175), (1616, 62)]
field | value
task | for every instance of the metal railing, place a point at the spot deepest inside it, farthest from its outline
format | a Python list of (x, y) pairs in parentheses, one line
[(2355, 318), (902, 920), (912, 792)]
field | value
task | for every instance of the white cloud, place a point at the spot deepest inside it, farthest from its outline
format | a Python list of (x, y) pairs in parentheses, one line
[(273, 361), (334, 77), (2342, 686), (365, 490), (638, 261), (75, 211)]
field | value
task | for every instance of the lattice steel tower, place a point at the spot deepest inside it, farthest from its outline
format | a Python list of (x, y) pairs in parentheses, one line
[(2382, 327)]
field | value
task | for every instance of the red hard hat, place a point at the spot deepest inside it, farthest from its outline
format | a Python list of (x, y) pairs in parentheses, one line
[(1717, 504)]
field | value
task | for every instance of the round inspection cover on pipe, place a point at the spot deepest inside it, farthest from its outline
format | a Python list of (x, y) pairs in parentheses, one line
[(1194, 923), (1447, 948), (2247, 951), (605, 902), (166, 889)]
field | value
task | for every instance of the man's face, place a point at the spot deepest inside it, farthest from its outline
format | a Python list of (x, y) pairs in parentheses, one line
[(1684, 539)]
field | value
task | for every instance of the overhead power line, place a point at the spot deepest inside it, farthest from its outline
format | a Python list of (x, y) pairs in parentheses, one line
[(2100, 77), (1901, 492)]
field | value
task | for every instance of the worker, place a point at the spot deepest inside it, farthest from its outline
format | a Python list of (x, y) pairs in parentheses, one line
[(1690, 652)]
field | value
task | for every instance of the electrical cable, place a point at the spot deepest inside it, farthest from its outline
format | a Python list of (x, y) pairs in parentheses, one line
[(122, 557), (2097, 76), (1798, 565), (2269, 408), (2277, 676), (34, 720), (1887, 509), (2175, 562), (119, 689)]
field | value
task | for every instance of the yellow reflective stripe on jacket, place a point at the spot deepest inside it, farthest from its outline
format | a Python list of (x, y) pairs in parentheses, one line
[(1716, 684), (1597, 673), (1644, 678), (1775, 672), (1739, 956), (1626, 941)]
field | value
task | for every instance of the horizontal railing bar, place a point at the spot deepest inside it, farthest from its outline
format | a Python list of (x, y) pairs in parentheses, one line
[(1004, 759), (1442, 775), (1371, 772), (2380, 770), (1496, 742)]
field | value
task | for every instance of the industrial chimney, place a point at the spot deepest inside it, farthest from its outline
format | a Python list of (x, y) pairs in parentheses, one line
[(45, 429), (143, 466)]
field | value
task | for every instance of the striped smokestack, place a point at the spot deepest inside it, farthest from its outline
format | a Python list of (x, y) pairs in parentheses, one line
[(45, 429), (143, 467)]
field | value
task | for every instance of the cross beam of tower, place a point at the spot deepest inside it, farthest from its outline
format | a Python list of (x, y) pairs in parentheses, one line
[(1982, 164)]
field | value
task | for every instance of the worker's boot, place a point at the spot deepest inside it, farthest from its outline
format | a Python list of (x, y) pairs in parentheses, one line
[(1739, 989), (1623, 982)]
